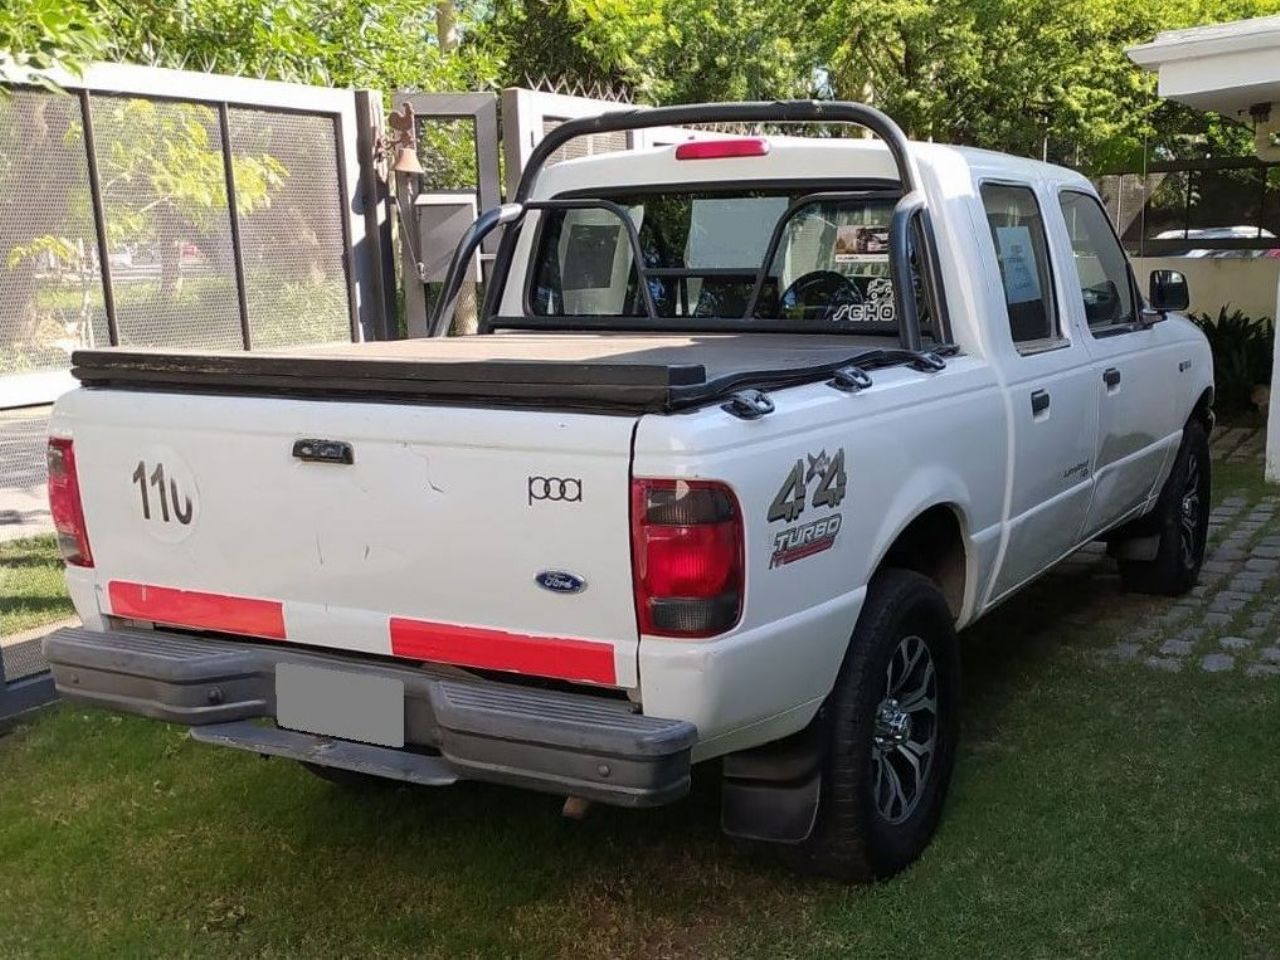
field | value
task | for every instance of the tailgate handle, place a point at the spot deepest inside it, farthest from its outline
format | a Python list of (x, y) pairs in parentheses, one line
[(324, 451)]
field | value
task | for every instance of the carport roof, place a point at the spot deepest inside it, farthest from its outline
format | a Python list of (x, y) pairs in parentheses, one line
[(1225, 67)]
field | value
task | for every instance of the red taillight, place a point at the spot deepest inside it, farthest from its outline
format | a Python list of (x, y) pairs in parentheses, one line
[(64, 503), (686, 538), (720, 149)]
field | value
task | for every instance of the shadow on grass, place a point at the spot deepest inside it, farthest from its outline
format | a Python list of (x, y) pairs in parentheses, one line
[(1015, 642)]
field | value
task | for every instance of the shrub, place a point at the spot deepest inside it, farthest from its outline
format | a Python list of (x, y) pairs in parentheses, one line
[(1241, 356)]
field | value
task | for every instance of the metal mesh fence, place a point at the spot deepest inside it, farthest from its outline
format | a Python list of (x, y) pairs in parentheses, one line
[(51, 298), (23, 660), (588, 146), (289, 200), (164, 197), (163, 178)]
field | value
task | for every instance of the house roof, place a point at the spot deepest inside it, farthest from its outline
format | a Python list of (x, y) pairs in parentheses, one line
[(1224, 67)]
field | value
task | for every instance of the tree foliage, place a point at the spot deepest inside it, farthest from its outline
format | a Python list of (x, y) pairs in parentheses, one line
[(41, 35), (1028, 76)]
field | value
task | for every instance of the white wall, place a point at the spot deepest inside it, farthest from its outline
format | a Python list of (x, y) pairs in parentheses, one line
[(1249, 285)]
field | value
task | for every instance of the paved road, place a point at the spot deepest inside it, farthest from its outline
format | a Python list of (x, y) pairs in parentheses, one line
[(24, 510)]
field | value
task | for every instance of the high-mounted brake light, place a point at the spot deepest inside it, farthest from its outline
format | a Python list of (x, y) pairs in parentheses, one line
[(720, 149), (686, 538), (65, 505)]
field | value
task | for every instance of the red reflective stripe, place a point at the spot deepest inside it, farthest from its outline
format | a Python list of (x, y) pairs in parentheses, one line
[(486, 649), (206, 611)]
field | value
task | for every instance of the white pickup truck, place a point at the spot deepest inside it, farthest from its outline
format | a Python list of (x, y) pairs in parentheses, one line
[(752, 426)]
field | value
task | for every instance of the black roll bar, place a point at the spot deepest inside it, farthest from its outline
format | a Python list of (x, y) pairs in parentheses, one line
[(777, 111), (911, 205)]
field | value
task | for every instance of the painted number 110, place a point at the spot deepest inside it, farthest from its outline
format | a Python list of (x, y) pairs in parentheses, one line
[(173, 505)]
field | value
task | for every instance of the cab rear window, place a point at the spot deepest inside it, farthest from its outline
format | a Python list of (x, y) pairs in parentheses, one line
[(759, 255)]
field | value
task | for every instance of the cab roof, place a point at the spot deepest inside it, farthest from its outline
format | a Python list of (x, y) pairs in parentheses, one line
[(792, 159)]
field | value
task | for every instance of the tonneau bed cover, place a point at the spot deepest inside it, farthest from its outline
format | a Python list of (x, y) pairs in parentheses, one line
[(609, 373)]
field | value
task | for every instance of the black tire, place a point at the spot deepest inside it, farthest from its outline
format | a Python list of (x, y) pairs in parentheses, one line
[(348, 779), (1181, 521), (853, 837)]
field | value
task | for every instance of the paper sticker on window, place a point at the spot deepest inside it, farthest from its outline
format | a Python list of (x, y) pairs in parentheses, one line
[(731, 233), (591, 251), (1018, 264), (860, 243)]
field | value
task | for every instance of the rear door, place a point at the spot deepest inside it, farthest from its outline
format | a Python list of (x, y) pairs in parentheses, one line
[(485, 538), (1050, 386)]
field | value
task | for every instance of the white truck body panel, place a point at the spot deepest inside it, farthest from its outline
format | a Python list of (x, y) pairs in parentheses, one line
[(433, 521)]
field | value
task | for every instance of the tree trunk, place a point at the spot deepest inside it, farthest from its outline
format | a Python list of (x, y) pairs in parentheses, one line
[(446, 26)]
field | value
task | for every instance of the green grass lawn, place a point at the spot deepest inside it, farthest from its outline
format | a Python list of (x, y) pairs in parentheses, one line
[(32, 592), (1099, 809)]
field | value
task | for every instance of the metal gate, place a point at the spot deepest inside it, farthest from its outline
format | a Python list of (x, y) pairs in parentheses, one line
[(149, 207), (454, 136)]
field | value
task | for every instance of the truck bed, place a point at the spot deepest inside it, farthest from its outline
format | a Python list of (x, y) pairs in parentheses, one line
[(607, 373)]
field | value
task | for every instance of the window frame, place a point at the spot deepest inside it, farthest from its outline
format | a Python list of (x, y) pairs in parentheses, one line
[(1104, 331), (1060, 339), (844, 188)]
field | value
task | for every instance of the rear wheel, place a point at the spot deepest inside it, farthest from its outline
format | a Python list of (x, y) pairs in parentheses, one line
[(1181, 523), (891, 737)]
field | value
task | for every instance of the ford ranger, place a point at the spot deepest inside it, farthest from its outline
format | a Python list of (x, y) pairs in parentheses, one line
[(752, 426)]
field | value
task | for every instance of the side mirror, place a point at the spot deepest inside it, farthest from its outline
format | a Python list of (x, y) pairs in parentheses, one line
[(1168, 291)]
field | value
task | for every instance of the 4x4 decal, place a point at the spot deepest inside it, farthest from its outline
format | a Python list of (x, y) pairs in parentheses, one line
[(790, 500), (805, 539)]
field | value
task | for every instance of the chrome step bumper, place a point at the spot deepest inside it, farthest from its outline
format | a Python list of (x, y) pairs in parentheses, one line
[(457, 726)]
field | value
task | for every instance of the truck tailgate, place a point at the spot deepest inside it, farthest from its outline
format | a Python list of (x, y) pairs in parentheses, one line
[(494, 539)]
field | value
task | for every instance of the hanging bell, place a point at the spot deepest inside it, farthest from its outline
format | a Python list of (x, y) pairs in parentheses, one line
[(407, 161)]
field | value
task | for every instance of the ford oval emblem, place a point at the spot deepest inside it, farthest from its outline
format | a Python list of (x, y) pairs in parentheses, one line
[(557, 581)]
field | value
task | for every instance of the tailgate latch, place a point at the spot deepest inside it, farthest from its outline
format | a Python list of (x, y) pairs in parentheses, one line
[(324, 451)]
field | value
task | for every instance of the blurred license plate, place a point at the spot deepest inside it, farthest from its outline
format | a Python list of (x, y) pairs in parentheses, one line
[(334, 703)]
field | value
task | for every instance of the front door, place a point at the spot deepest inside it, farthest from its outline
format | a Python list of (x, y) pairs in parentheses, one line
[(1136, 409), (1050, 384)]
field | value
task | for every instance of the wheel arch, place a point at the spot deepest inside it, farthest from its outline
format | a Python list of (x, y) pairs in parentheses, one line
[(1203, 409), (934, 542)]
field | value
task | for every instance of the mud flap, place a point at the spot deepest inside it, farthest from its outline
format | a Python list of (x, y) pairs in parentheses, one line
[(771, 793)]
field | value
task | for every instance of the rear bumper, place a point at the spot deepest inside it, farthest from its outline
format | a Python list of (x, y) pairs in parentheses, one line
[(457, 726)]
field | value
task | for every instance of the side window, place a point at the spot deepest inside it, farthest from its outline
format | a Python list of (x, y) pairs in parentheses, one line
[(1017, 231), (1100, 262)]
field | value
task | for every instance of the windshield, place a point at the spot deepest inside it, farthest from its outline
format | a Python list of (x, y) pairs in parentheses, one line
[(704, 255)]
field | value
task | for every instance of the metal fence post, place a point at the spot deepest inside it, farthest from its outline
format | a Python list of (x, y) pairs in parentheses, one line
[(237, 250), (375, 252), (99, 222)]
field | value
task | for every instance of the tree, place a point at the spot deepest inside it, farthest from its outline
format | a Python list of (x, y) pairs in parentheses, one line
[(1026, 76), (42, 35)]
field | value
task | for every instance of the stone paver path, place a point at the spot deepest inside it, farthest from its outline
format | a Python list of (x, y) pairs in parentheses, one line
[(1230, 622), (1239, 444)]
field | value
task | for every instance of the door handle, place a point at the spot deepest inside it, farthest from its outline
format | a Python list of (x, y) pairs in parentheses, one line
[(1039, 401), (1111, 377), (324, 451)]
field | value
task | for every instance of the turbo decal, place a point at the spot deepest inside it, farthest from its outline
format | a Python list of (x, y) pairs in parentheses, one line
[(796, 543)]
